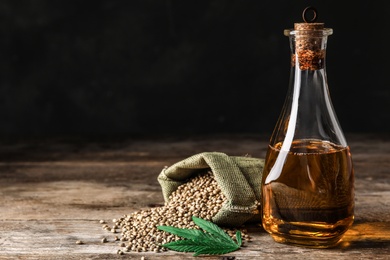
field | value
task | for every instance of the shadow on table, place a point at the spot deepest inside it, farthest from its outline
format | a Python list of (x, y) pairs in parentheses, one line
[(367, 235)]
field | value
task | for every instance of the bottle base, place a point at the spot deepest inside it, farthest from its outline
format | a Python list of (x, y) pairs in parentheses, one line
[(307, 242), (311, 235)]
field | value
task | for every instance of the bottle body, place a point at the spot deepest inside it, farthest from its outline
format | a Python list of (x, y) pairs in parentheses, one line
[(311, 202), (308, 177)]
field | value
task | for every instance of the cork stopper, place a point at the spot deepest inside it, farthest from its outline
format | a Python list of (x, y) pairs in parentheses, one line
[(308, 26), (309, 51)]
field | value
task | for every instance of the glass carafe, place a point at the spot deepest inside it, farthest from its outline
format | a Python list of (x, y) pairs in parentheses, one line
[(308, 178)]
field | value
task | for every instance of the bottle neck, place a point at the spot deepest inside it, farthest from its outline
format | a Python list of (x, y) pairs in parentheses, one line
[(308, 111), (308, 51)]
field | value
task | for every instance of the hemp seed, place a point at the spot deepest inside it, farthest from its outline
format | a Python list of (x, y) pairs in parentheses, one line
[(201, 196)]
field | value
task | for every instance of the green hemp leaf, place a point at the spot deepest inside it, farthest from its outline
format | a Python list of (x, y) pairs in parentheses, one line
[(211, 240)]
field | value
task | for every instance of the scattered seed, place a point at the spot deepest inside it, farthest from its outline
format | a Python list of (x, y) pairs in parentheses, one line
[(104, 240), (201, 196), (79, 242), (102, 221), (106, 228)]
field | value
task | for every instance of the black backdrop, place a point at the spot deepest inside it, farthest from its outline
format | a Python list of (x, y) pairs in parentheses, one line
[(180, 67)]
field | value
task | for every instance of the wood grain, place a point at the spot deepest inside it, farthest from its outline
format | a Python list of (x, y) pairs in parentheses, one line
[(54, 191)]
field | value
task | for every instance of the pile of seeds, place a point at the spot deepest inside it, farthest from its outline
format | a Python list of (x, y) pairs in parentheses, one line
[(201, 197)]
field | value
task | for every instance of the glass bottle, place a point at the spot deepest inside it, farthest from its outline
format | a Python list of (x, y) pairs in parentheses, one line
[(308, 178)]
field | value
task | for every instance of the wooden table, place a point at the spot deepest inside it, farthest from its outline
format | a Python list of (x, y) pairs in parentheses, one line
[(54, 191)]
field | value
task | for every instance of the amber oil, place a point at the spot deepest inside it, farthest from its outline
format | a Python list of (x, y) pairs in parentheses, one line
[(308, 199)]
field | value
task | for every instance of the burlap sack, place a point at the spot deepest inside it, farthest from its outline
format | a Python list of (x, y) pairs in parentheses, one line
[(238, 177)]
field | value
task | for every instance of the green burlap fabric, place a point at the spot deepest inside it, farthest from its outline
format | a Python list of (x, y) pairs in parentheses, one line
[(238, 177)]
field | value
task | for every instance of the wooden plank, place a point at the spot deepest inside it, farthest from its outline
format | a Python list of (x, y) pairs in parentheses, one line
[(57, 239), (54, 193)]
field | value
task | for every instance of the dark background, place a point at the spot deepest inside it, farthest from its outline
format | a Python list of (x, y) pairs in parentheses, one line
[(180, 66)]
